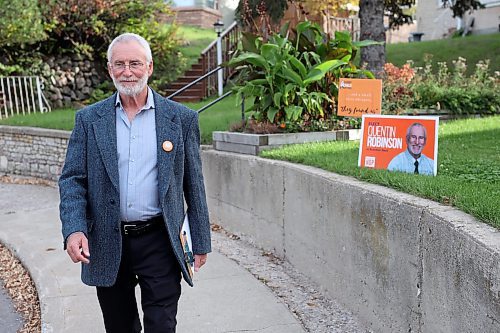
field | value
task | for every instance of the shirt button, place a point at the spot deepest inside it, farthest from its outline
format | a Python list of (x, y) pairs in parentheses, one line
[(133, 136), (132, 160), (129, 205), (130, 183)]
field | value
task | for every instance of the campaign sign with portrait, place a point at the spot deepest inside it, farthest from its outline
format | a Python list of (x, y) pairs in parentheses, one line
[(359, 96), (399, 143)]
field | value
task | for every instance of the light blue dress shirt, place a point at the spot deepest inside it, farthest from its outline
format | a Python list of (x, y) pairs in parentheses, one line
[(137, 149), (405, 162)]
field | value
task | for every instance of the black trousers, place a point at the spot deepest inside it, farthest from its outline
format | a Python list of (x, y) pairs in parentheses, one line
[(147, 259)]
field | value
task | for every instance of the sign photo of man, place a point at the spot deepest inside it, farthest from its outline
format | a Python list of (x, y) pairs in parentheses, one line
[(412, 160)]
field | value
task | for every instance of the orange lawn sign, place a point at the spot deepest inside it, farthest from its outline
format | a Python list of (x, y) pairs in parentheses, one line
[(359, 96), (383, 138)]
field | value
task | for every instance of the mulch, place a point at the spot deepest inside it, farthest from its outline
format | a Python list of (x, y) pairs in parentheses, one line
[(20, 287), (16, 279)]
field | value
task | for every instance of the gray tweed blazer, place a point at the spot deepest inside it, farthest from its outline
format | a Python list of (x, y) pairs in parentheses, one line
[(89, 185)]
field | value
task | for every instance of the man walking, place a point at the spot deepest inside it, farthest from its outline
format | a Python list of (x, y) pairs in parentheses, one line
[(132, 160)]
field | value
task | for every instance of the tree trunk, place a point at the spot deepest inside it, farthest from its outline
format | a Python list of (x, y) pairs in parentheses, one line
[(371, 16)]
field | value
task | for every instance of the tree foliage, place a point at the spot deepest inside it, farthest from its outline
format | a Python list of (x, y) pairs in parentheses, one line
[(261, 15), (20, 22), (395, 11), (86, 27), (460, 7), (329, 7)]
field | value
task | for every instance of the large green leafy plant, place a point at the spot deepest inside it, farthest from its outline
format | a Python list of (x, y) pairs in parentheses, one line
[(293, 77)]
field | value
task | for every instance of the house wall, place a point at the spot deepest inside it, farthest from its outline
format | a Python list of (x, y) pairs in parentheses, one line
[(201, 17), (437, 22)]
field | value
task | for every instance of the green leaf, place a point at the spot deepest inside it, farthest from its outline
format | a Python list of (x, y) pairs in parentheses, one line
[(251, 58), (292, 76), (366, 42), (293, 112), (277, 99), (248, 41), (299, 66), (271, 113), (270, 52), (319, 71), (302, 26), (343, 36), (258, 82)]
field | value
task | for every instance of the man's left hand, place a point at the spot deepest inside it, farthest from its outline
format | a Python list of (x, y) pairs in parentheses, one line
[(199, 260)]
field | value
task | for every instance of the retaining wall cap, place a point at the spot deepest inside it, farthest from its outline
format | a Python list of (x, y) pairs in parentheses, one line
[(36, 131), (457, 219)]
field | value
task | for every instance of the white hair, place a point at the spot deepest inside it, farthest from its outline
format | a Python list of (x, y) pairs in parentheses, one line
[(127, 37)]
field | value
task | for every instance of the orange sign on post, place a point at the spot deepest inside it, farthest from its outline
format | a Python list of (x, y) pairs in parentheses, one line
[(399, 143), (359, 96)]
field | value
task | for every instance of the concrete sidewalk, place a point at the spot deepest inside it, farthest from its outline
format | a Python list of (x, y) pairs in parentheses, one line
[(226, 298)]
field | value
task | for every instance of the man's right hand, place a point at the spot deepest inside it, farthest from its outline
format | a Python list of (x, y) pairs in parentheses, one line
[(77, 247)]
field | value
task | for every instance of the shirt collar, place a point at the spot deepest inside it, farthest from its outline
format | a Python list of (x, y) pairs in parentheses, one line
[(150, 102), (410, 156)]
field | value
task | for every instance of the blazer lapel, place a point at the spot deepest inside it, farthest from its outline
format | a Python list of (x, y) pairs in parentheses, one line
[(167, 129), (105, 134)]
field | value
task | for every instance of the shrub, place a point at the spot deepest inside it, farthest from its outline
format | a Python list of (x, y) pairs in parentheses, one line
[(421, 88), (293, 81), (397, 95), (88, 26), (20, 23)]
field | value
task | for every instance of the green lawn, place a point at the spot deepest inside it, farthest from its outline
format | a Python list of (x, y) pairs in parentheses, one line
[(217, 118), (472, 48), (195, 41), (468, 170)]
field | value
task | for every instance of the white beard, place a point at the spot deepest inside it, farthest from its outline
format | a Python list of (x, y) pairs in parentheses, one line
[(133, 90)]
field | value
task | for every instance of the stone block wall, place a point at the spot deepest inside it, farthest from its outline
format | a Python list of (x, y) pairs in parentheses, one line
[(33, 152), (70, 80)]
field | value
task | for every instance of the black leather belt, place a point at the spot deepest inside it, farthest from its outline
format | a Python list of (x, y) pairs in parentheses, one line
[(137, 228)]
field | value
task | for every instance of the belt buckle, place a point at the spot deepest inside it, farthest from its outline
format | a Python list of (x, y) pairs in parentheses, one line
[(126, 226)]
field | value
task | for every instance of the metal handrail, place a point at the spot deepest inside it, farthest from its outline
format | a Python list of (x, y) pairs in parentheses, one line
[(194, 82), (214, 101), (222, 35)]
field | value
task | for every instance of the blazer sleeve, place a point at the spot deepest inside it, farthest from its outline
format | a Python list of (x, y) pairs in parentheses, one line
[(194, 190), (73, 183)]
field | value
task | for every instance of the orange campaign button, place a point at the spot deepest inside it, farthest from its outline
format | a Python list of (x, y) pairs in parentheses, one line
[(167, 146)]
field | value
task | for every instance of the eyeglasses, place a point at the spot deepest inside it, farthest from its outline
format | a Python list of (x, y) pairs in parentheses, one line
[(133, 65), (417, 138)]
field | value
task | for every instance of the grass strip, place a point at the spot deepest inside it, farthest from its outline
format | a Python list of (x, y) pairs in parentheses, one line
[(216, 118)]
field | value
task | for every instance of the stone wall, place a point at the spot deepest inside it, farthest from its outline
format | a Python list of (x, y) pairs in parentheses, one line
[(33, 152), (69, 80)]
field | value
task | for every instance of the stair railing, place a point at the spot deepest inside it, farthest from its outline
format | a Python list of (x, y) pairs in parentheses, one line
[(217, 100), (229, 42), (207, 76)]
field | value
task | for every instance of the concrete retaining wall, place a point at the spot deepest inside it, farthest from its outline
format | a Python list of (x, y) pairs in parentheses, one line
[(403, 264), (399, 262), (34, 152)]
